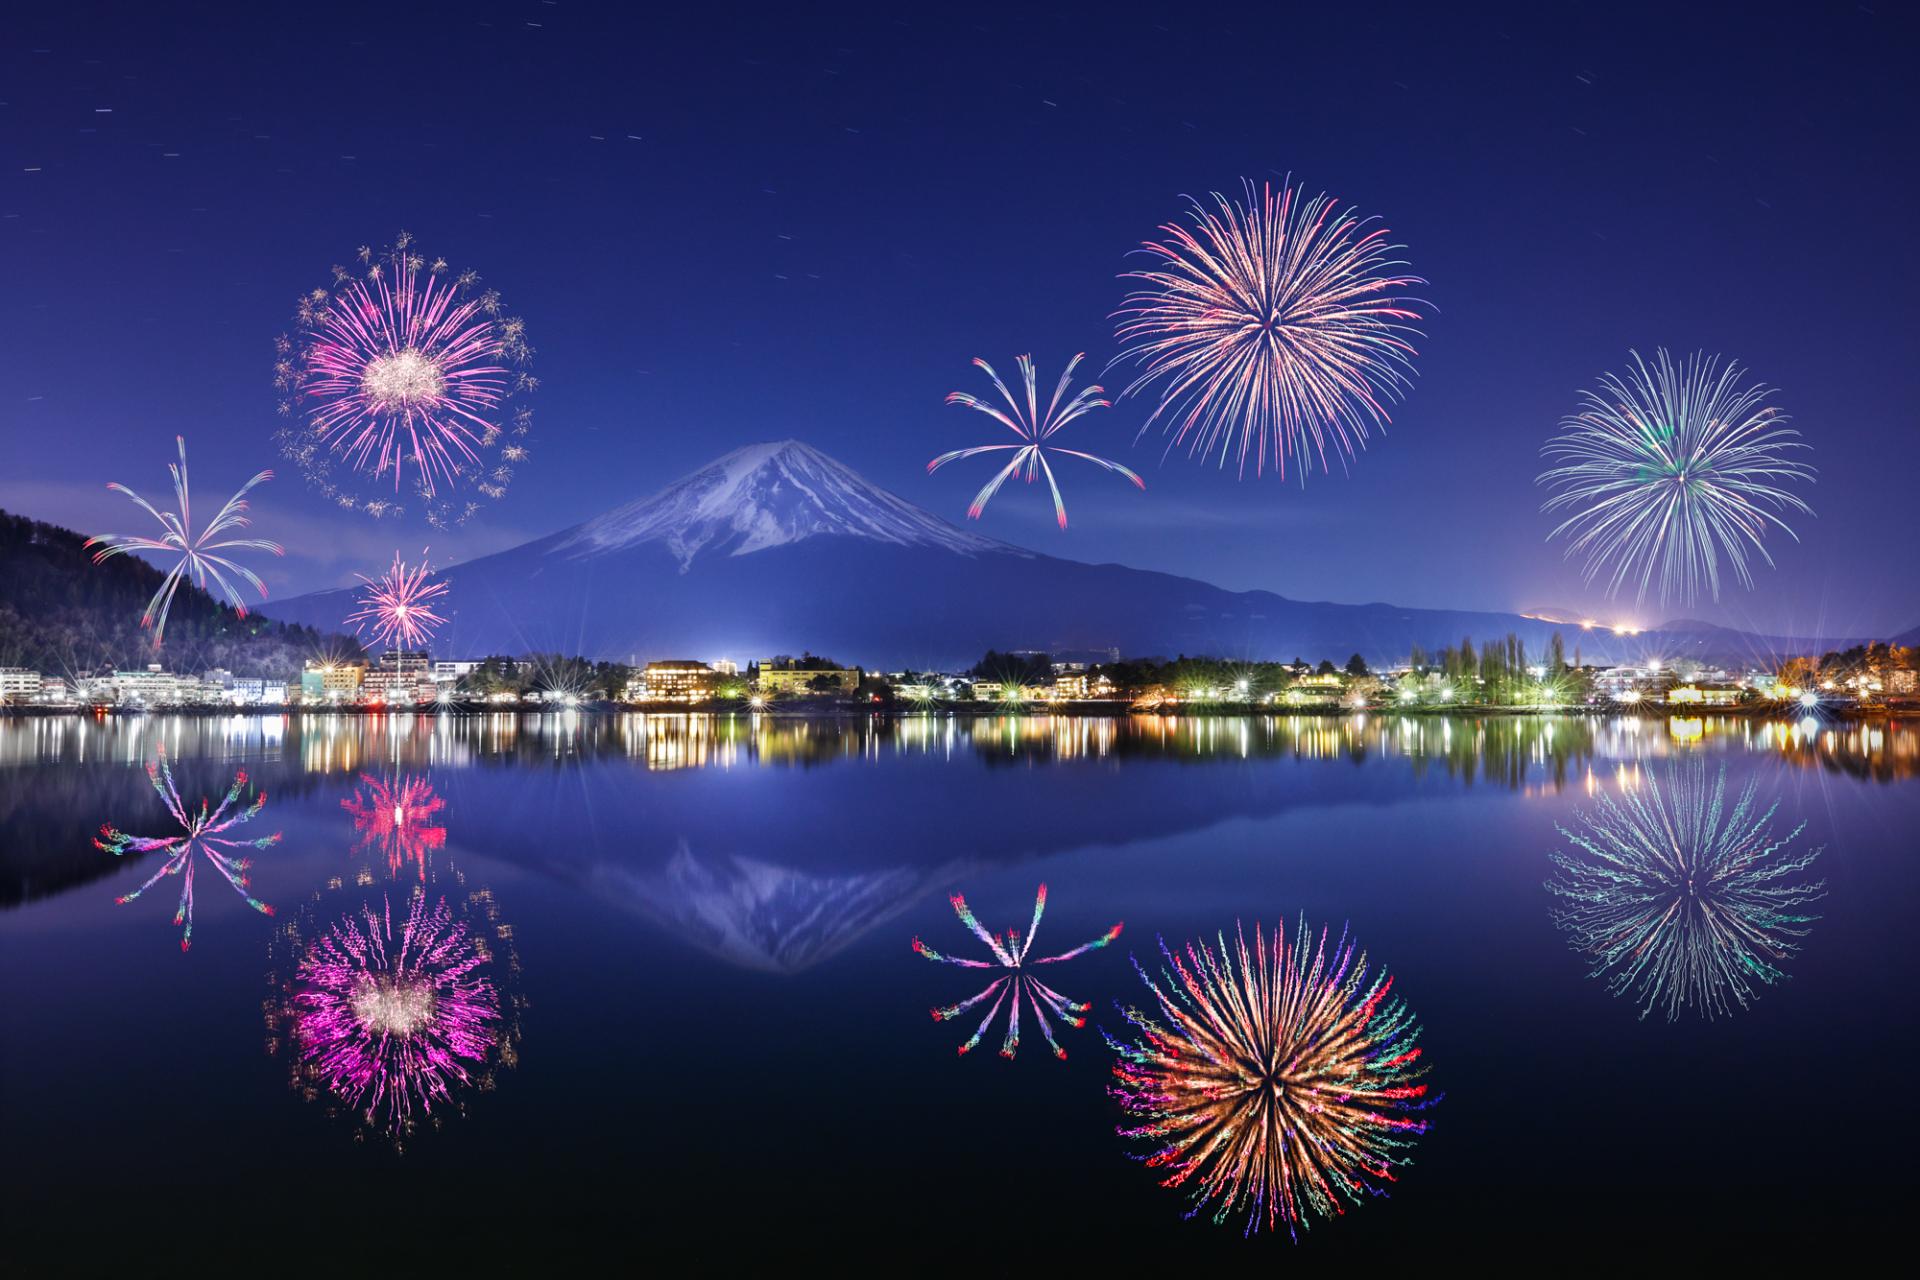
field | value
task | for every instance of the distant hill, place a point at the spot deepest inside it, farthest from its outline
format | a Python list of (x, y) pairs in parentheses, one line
[(777, 547), (60, 613)]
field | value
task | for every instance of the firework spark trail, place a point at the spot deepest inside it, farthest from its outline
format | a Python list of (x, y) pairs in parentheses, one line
[(1680, 900), (399, 605), (392, 1025), (1673, 468), (204, 830), (1281, 1083), (1272, 329), (199, 560), (1034, 428), (396, 816), (407, 377), (1009, 952)]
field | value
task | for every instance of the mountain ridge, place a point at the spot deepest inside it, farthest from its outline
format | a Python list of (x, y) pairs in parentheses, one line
[(775, 547)]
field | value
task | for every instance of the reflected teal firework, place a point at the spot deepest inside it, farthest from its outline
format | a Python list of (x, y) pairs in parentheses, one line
[(1680, 900), (1671, 470)]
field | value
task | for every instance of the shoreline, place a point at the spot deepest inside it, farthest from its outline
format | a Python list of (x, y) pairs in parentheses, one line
[(1093, 709)]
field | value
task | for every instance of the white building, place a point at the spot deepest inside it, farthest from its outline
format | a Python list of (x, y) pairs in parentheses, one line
[(18, 685)]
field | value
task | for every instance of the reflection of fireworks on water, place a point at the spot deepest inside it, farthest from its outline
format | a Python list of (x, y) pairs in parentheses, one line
[(411, 378), (1023, 417), (1680, 900), (396, 815), (197, 551), (1010, 952), (394, 1012), (1281, 1083), (203, 831), (399, 605), (1272, 328), (1674, 467)]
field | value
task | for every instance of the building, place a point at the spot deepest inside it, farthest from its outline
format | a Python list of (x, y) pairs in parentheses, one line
[(332, 681), (453, 670), (17, 685), (807, 680), (1705, 694), (673, 680)]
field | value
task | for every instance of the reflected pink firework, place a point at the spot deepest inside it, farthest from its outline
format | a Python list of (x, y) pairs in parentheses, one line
[(409, 377), (398, 606), (1024, 418), (205, 832), (391, 1022), (1009, 952), (396, 815), (201, 554)]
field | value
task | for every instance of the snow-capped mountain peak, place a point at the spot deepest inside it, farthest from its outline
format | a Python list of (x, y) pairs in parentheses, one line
[(768, 495)]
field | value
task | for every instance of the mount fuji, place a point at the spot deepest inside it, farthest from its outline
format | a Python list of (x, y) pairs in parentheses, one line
[(777, 547)]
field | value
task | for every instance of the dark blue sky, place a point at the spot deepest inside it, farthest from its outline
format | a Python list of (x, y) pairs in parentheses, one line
[(819, 220)]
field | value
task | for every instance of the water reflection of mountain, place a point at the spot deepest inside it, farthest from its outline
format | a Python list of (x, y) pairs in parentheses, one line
[(574, 776), (762, 916)]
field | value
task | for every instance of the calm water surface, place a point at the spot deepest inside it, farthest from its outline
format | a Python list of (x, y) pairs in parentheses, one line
[(713, 1028)]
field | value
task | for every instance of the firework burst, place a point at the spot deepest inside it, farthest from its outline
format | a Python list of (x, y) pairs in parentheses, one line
[(1678, 899), (1024, 418), (1009, 952), (396, 815), (393, 1018), (398, 606), (1673, 468), (202, 555), (411, 380), (1272, 330), (204, 831), (1280, 1082)]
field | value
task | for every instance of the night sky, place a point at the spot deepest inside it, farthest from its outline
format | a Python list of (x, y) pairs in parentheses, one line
[(729, 229)]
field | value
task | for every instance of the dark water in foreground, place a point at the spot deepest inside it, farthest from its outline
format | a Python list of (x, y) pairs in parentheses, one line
[(713, 1031)]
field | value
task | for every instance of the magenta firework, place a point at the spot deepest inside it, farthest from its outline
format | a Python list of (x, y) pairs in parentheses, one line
[(406, 384), (1009, 951), (397, 816), (1272, 329), (1023, 417), (392, 1017), (396, 609), (204, 831), (203, 557)]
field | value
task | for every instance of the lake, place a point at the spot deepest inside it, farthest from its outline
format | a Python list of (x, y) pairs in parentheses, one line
[(679, 1003)]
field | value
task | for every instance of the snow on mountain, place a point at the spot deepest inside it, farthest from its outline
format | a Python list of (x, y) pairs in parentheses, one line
[(768, 495)]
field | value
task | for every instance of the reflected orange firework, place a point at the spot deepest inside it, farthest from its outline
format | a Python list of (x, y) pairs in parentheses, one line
[(1278, 1082)]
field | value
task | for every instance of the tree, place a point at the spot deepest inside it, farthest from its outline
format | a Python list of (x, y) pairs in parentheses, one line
[(1356, 666), (1325, 668)]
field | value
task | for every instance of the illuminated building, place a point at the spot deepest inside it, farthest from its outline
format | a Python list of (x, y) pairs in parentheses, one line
[(333, 681), (674, 680), (1705, 695), (801, 680), (17, 684)]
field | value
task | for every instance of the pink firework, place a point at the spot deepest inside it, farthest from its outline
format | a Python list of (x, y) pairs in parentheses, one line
[(396, 815), (1023, 417), (399, 605), (1273, 330), (202, 555), (410, 378), (392, 1022), (1010, 953), (204, 831)]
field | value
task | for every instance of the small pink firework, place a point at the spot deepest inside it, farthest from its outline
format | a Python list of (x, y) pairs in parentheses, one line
[(1034, 428), (398, 605), (199, 558), (203, 831), (392, 1023), (1010, 953), (397, 816)]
